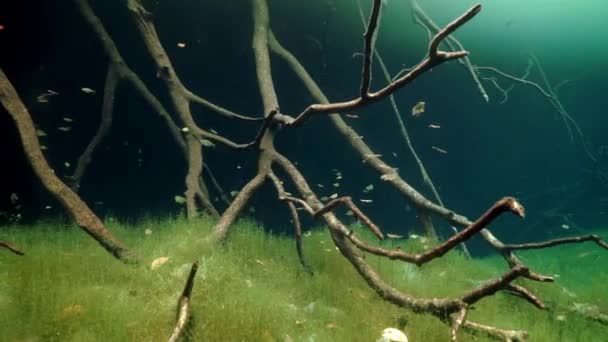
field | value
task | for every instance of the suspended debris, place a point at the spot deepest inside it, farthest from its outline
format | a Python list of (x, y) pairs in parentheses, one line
[(87, 90), (439, 150), (179, 199), (418, 109)]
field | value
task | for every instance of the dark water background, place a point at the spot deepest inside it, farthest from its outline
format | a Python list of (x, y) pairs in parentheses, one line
[(519, 148)]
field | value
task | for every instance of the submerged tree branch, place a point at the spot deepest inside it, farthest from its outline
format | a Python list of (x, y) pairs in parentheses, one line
[(76, 207), (11, 247), (183, 305)]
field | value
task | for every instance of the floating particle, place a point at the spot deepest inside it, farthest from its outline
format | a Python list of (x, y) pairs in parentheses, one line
[(87, 90), (369, 188), (418, 109), (366, 200), (207, 143), (333, 196), (40, 133), (439, 150), (179, 199), (181, 45), (185, 129), (64, 128), (434, 126), (67, 119)]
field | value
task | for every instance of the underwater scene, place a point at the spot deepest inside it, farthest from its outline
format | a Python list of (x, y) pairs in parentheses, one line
[(303, 170)]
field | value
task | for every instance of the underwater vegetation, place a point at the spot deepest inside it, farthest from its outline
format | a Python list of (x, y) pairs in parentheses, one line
[(67, 289), (205, 275)]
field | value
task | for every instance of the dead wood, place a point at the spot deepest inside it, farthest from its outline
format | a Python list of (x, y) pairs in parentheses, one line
[(76, 207), (183, 305), (11, 247)]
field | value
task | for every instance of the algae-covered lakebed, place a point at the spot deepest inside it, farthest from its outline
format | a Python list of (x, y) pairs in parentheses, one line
[(66, 288)]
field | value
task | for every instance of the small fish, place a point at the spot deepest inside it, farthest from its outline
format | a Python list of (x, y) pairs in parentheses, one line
[(324, 198), (418, 109), (213, 131), (321, 186), (48, 207), (44, 97), (185, 129), (233, 193), (67, 119), (87, 90), (333, 196), (207, 143), (66, 164), (181, 45), (44, 148), (64, 128), (336, 185), (14, 198), (434, 126), (179, 199), (565, 226), (350, 213), (239, 167), (40, 133), (394, 154), (414, 236), (366, 200), (394, 236), (352, 116), (158, 262), (369, 188), (338, 177), (439, 150)]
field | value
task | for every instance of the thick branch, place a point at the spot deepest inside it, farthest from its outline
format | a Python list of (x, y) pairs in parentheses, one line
[(84, 217), (11, 247)]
